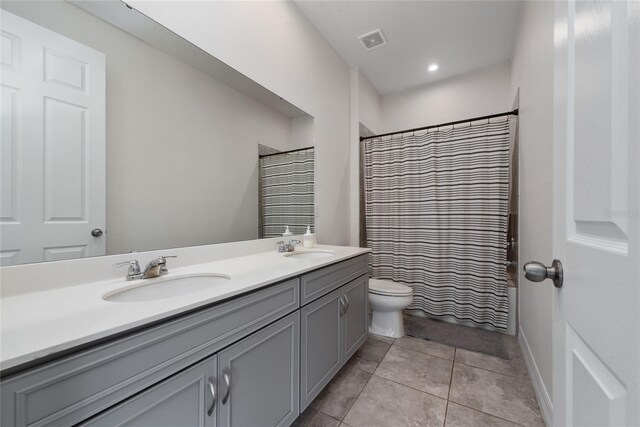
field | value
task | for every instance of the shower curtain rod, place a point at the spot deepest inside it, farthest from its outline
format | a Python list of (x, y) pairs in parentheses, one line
[(491, 116), (284, 152)]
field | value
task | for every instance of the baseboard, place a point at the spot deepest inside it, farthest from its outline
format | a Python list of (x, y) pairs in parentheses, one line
[(544, 401)]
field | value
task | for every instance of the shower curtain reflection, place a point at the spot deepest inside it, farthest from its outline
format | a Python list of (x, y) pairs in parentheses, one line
[(286, 184)]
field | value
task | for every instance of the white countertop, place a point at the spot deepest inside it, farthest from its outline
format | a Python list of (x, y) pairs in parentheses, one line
[(38, 324)]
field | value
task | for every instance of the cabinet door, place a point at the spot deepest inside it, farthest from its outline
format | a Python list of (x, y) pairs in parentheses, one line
[(185, 399), (259, 377), (355, 321), (320, 349)]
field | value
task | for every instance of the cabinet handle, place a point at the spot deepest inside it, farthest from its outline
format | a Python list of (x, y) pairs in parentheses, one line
[(227, 379), (346, 308), (342, 305), (212, 390)]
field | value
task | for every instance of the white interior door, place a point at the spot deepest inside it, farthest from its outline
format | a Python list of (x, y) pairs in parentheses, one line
[(596, 321), (53, 145)]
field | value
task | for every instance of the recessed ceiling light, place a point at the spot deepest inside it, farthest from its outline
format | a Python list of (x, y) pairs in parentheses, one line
[(433, 67)]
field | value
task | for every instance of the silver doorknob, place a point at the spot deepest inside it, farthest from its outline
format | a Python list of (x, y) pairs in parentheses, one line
[(537, 272), (96, 232)]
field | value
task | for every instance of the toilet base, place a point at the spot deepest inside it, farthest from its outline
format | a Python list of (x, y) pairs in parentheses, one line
[(387, 323)]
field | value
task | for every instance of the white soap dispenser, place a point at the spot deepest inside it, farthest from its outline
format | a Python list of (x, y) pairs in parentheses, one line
[(287, 233), (309, 238)]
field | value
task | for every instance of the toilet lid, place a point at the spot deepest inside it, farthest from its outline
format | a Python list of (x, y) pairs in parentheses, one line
[(386, 287)]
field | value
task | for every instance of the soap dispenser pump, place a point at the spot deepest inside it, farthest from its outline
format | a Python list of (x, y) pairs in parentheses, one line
[(309, 238), (287, 233)]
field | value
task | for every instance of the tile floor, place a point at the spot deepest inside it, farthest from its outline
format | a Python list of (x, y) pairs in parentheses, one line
[(414, 382)]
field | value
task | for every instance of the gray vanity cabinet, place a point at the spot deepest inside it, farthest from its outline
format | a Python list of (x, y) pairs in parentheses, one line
[(257, 359), (258, 377), (185, 399)]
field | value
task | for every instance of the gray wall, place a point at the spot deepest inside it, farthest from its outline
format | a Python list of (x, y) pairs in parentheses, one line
[(473, 94), (532, 73)]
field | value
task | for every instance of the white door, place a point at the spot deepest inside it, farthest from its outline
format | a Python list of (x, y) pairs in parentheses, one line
[(52, 145), (596, 337)]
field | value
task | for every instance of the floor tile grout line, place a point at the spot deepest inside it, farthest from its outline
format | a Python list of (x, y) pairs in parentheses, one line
[(455, 348), (422, 352), (489, 370), (446, 409), (356, 398), (368, 379), (412, 388), (486, 413), (476, 409)]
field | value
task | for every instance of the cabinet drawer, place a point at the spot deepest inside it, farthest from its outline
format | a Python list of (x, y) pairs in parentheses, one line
[(323, 281), (69, 390)]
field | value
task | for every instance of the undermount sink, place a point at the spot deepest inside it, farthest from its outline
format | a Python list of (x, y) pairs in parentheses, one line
[(309, 254), (166, 287)]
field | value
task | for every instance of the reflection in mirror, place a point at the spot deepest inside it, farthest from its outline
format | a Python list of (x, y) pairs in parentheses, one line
[(286, 192), (120, 136)]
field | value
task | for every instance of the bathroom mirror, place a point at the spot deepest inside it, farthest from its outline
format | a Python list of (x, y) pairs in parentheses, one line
[(118, 136)]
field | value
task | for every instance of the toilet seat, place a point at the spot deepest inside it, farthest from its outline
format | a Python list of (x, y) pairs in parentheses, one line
[(388, 288)]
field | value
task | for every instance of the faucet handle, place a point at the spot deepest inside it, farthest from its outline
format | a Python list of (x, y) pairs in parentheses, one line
[(134, 268), (291, 246), (162, 261), (282, 247), (131, 263)]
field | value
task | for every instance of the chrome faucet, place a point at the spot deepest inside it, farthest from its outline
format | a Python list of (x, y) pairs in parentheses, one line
[(287, 247), (155, 268)]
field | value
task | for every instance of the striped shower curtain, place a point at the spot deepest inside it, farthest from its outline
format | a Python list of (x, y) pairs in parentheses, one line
[(436, 218), (286, 192)]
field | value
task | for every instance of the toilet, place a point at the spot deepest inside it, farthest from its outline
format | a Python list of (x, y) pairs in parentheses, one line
[(387, 300)]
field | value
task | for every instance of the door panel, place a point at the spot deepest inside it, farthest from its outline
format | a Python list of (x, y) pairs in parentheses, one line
[(182, 400), (320, 345), (53, 145), (356, 317), (263, 372), (64, 145), (597, 213)]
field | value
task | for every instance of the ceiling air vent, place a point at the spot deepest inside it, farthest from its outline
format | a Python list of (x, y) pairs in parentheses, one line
[(372, 39)]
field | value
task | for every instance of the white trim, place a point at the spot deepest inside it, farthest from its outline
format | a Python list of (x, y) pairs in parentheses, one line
[(544, 400)]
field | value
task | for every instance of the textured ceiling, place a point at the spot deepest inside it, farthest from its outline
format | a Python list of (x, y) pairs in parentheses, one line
[(460, 36)]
